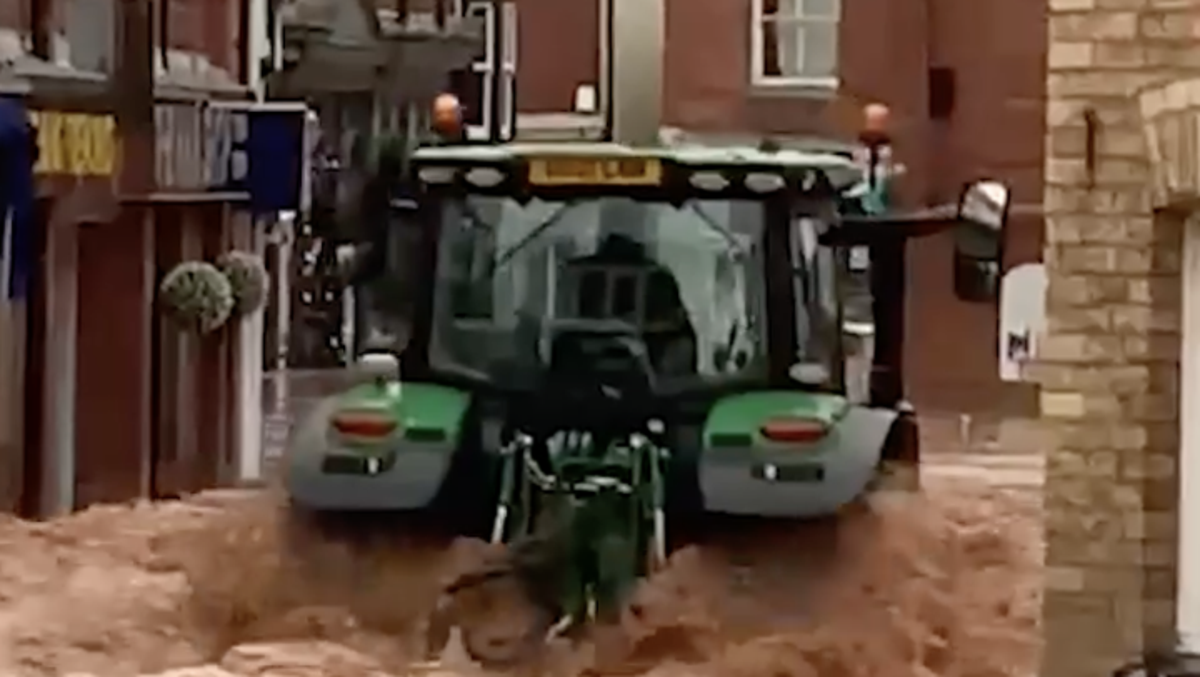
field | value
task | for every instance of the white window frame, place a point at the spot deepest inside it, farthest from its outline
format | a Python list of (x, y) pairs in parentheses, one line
[(758, 76), (483, 67)]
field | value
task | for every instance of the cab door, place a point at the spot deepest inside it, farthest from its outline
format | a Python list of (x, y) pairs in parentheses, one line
[(816, 285)]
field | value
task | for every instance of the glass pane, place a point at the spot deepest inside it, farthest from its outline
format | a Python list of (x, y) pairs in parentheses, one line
[(770, 50), (782, 53), (788, 8), (819, 48), (819, 9), (467, 85), (661, 276)]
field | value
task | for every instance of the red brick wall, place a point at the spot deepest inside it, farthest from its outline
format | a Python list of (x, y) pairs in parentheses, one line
[(997, 48), (12, 14), (558, 46), (211, 27)]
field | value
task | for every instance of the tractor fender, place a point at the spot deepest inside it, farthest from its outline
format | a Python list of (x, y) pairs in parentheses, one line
[(808, 482), (413, 480)]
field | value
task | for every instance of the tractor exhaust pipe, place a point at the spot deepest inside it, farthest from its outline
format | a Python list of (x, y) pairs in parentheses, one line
[(633, 36)]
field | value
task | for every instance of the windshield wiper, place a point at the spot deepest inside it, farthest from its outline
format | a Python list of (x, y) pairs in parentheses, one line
[(721, 230), (542, 227)]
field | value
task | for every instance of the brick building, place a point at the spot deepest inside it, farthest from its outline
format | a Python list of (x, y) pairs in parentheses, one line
[(1119, 379), (103, 401), (965, 82)]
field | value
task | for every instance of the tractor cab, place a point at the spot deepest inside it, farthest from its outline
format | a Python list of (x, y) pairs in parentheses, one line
[(730, 265)]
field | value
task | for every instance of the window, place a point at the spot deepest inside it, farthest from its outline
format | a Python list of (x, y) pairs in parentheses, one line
[(499, 37), (795, 42), (817, 301), (689, 279)]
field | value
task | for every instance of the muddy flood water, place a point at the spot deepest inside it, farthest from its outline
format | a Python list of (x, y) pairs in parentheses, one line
[(943, 584)]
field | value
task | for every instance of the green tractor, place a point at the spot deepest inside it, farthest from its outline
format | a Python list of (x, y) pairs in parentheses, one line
[(583, 349), (601, 341)]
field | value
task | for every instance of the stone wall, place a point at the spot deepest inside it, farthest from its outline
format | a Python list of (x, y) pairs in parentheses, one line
[(1109, 376)]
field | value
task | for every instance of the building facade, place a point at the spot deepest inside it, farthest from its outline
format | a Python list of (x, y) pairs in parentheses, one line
[(110, 396), (1119, 375), (965, 85)]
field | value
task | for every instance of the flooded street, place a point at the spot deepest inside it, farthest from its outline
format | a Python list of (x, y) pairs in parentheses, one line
[(947, 583)]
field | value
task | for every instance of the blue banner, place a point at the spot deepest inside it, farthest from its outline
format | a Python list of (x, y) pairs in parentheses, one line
[(18, 154), (277, 154)]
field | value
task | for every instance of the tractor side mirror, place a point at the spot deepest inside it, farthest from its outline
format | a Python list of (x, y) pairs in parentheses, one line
[(979, 240)]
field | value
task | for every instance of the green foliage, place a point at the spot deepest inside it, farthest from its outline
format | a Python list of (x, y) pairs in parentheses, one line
[(196, 295), (247, 280)]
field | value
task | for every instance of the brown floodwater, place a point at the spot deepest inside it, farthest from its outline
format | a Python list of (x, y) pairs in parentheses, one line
[(943, 584)]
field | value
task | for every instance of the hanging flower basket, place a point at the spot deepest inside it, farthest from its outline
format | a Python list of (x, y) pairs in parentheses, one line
[(197, 295), (247, 280)]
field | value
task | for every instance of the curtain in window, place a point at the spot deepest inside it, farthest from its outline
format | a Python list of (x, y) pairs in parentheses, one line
[(800, 38)]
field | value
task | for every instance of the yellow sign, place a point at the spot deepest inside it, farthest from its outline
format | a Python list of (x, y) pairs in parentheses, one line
[(75, 144), (595, 172)]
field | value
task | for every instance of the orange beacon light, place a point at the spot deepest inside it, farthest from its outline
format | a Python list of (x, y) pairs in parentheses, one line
[(875, 123), (447, 115)]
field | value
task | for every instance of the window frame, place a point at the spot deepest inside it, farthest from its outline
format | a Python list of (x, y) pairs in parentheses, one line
[(485, 68), (758, 76)]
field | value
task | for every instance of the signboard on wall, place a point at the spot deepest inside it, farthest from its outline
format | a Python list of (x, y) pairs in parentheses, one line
[(75, 144), (226, 135), (1022, 318), (213, 147), (179, 147), (279, 153)]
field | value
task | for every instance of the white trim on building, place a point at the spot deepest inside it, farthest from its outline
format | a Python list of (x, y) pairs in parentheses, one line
[(1187, 598)]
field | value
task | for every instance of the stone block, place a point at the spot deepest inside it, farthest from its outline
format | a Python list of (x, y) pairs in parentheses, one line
[(1144, 319), (1071, 5), (1096, 83), (1067, 55), (1128, 201), (1119, 55), (1062, 405), (1149, 466), (1092, 25), (1166, 24), (1065, 579)]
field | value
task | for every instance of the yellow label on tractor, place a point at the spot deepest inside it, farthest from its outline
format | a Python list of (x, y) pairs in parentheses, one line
[(568, 171)]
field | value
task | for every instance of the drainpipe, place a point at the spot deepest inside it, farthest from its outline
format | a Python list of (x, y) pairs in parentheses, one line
[(634, 32)]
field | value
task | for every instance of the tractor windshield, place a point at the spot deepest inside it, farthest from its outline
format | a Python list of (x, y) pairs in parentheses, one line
[(688, 278)]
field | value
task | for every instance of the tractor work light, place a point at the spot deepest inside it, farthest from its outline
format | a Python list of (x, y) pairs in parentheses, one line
[(485, 177), (762, 182), (709, 181), (437, 175), (794, 430)]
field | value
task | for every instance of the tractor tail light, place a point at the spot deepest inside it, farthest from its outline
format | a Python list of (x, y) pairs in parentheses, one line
[(364, 424), (794, 430)]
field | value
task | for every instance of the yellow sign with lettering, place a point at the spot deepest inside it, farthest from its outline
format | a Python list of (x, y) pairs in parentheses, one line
[(75, 144), (595, 172)]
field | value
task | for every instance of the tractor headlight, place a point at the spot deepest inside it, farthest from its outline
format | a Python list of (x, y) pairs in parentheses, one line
[(710, 181), (762, 182), (436, 174), (485, 177)]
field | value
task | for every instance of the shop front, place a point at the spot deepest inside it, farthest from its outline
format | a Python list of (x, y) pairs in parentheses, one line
[(104, 397)]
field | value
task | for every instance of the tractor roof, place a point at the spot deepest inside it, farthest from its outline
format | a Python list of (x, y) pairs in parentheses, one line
[(842, 171)]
